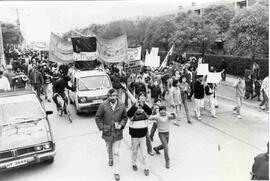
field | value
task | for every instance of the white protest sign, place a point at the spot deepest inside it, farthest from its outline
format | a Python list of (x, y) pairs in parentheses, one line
[(202, 69), (152, 61), (213, 77), (134, 53), (154, 51)]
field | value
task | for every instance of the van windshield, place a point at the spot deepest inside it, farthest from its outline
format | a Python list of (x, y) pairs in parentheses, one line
[(94, 82)]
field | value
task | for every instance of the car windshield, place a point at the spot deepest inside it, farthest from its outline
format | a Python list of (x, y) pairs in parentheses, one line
[(20, 111), (94, 82)]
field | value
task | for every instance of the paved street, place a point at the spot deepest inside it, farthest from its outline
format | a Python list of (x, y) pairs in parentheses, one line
[(212, 150)]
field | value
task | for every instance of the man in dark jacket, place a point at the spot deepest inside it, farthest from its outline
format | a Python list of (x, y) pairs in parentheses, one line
[(111, 118), (260, 168), (36, 80)]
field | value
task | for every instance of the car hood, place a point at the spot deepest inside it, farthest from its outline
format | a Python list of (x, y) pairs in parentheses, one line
[(93, 93), (22, 134)]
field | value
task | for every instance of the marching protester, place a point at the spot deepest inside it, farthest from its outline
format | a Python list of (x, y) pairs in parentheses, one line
[(155, 110), (176, 100), (19, 80), (239, 86), (163, 119), (199, 96), (138, 86), (185, 90), (209, 98), (47, 74), (223, 69), (155, 91), (4, 83), (265, 94), (111, 118), (138, 129), (36, 80), (9, 74)]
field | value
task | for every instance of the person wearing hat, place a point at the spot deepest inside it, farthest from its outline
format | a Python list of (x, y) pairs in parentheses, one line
[(4, 83), (9, 74)]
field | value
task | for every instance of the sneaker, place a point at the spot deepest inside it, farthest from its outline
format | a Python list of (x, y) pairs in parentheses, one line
[(134, 167), (151, 153), (239, 117), (167, 165), (156, 150), (189, 122), (235, 108), (117, 177), (214, 116), (146, 172), (199, 118), (110, 163), (262, 107), (234, 112)]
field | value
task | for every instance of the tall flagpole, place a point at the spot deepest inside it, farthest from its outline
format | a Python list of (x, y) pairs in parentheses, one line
[(2, 54)]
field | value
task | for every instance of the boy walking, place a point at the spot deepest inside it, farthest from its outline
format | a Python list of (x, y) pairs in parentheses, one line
[(239, 86)]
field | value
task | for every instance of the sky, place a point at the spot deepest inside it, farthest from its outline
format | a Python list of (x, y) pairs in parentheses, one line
[(39, 19)]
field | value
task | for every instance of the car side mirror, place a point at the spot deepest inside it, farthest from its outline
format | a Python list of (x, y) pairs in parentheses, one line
[(49, 112)]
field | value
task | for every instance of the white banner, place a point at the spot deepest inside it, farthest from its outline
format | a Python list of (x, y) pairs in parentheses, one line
[(152, 61), (85, 56), (114, 50), (134, 53), (60, 51), (202, 69), (214, 78), (154, 51)]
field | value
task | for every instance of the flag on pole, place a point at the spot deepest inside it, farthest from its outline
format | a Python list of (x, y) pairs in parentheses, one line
[(164, 63)]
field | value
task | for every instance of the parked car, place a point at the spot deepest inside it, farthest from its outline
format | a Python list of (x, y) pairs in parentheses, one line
[(91, 89), (25, 132)]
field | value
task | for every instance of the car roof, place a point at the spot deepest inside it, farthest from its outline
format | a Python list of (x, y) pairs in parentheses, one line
[(17, 93), (88, 73)]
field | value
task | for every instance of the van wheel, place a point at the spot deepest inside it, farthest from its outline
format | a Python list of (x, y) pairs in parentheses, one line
[(49, 161)]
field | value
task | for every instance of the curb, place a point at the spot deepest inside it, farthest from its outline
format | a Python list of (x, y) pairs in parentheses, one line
[(244, 103)]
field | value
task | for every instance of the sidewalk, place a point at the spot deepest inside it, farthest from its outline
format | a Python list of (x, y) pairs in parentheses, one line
[(227, 92)]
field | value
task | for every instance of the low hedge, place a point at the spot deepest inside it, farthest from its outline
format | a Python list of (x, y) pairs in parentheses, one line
[(235, 65)]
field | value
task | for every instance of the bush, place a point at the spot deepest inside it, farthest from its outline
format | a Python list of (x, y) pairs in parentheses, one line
[(235, 65)]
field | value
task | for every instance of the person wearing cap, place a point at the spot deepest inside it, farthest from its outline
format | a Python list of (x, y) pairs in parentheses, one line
[(4, 83), (9, 74)]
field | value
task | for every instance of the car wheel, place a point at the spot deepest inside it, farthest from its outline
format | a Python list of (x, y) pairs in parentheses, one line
[(49, 161)]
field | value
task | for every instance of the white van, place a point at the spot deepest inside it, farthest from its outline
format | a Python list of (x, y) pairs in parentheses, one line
[(91, 89)]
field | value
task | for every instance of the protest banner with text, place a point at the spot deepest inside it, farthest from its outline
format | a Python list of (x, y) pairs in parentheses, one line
[(113, 50)]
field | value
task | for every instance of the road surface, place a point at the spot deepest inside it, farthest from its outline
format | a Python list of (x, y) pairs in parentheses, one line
[(219, 149)]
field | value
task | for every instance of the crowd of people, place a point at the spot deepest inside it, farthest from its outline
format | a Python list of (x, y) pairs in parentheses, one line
[(152, 97)]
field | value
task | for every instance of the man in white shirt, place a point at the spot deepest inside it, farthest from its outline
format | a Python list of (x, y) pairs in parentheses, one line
[(4, 83)]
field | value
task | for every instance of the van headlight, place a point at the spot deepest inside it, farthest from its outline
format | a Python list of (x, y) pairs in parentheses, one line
[(38, 147), (82, 99), (47, 145)]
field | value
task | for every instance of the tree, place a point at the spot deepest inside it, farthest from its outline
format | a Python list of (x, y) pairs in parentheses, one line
[(219, 15), (159, 33), (192, 32), (11, 34), (249, 30)]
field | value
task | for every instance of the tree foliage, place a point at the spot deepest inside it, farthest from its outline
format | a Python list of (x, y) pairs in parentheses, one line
[(249, 29), (193, 32), (11, 34)]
